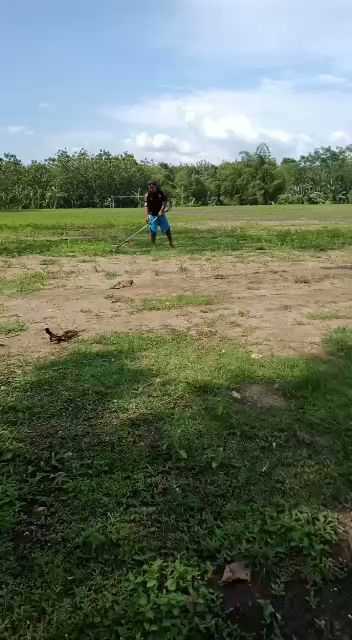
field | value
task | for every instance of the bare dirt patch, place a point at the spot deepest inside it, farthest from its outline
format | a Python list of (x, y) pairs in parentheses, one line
[(264, 302), (262, 396)]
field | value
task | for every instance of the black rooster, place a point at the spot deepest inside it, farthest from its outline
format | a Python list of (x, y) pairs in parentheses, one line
[(66, 336)]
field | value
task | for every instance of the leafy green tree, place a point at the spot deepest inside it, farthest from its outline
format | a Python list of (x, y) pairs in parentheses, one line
[(83, 180)]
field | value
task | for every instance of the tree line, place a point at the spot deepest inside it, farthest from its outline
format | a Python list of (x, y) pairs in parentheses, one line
[(84, 180)]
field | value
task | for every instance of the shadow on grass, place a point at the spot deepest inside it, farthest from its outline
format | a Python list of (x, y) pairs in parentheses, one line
[(134, 449)]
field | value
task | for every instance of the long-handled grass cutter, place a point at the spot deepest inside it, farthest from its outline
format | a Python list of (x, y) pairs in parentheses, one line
[(117, 246)]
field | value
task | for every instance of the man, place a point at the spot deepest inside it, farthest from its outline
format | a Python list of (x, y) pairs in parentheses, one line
[(155, 207)]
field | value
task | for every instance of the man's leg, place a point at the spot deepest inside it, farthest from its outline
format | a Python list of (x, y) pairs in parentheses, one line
[(169, 237), (153, 229), (165, 227)]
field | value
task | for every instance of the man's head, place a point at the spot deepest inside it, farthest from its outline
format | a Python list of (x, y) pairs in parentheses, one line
[(152, 186)]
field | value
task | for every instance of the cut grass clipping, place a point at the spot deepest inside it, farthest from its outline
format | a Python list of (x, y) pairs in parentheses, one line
[(174, 302), (128, 468), (12, 328), (24, 283)]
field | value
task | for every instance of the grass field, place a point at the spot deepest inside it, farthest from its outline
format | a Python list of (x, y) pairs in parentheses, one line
[(78, 218), (213, 229), (133, 467)]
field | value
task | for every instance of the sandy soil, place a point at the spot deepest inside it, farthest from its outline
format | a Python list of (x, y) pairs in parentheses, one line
[(265, 303)]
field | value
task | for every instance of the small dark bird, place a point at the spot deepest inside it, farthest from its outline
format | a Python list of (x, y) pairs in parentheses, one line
[(66, 336)]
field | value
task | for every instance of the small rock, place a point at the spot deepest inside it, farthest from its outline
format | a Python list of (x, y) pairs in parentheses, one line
[(236, 395)]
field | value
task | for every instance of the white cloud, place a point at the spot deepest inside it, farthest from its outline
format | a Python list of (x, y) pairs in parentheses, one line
[(332, 80), (292, 118), (169, 112), (161, 142), (341, 138), (15, 129)]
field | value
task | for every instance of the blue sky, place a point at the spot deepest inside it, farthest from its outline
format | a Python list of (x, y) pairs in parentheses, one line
[(177, 80)]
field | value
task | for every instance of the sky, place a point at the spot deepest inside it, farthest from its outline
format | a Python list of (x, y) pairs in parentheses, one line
[(175, 80)]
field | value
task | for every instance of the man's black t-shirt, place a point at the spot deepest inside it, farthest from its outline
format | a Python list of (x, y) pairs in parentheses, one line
[(154, 201)]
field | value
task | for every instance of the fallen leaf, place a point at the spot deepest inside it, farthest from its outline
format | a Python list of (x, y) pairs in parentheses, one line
[(236, 395), (236, 571)]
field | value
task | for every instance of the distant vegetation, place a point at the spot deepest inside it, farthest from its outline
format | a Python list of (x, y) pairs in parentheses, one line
[(84, 180)]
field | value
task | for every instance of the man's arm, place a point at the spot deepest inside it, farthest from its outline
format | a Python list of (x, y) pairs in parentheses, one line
[(146, 209), (163, 203)]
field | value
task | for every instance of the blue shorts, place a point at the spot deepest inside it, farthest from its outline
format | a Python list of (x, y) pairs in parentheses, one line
[(160, 221)]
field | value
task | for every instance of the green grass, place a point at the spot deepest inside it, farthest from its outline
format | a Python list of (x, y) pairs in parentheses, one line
[(127, 467), (202, 230), (174, 302), (189, 241), (12, 328), (24, 283), (65, 219), (329, 315)]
